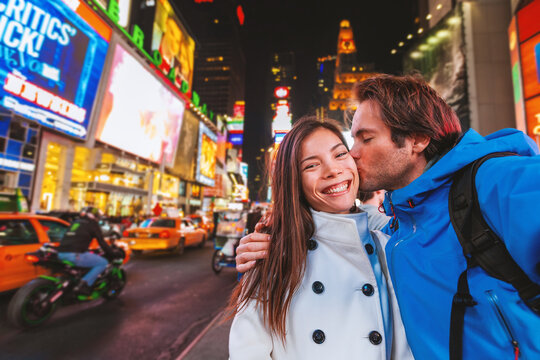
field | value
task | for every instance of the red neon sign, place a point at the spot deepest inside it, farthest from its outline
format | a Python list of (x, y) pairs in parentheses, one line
[(281, 92), (240, 14)]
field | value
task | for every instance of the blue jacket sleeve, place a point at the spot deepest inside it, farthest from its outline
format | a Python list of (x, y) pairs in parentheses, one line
[(509, 196)]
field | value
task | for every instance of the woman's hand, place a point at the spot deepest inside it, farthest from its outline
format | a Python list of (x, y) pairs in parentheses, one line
[(252, 247)]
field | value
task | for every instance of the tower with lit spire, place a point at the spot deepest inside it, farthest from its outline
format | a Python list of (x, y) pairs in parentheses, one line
[(347, 72)]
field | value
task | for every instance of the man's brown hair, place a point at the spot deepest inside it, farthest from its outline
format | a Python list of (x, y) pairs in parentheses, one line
[(410, 106)]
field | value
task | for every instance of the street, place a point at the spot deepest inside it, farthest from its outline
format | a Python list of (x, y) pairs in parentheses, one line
[(167, 302)]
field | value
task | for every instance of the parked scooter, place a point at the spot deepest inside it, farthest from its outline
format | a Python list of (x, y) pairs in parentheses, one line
[(36, 301)]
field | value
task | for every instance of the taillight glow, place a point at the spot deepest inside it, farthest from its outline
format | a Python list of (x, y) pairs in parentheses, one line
[(164, 234), (125, 233), (31, 258)]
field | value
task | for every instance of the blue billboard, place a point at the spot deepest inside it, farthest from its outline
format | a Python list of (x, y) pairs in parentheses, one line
[(51, 60)]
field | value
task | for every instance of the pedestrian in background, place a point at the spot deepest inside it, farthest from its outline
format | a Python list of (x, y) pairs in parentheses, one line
[(370, 202)]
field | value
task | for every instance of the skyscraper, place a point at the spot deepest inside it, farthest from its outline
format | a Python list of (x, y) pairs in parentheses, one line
[(347, 71)]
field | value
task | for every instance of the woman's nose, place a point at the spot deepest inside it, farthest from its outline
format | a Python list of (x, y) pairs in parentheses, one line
[(333, 172)]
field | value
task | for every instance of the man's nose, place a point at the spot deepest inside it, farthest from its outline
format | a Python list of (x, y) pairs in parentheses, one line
[(355, 151)]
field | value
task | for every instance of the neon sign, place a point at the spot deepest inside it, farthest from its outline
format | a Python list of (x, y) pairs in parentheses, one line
[(281, 92), (51, 62), (282, 118)]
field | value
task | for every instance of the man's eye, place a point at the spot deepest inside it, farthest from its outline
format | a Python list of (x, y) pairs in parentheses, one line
[(367, 140)]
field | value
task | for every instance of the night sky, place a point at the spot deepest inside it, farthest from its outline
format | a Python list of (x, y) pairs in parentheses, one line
[(309, 28)]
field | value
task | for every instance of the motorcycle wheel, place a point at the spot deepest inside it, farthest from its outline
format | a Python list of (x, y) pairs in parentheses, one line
[(216, 258), (117, 282), (26, 308)]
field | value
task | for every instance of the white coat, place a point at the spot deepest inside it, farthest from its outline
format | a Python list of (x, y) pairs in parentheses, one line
[(340, 322)]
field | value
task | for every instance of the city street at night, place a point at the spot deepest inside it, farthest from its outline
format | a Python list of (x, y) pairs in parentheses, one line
[(367, 173), (167, 302)]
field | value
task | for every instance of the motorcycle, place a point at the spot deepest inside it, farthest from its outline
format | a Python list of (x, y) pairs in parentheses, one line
[(35, 302)]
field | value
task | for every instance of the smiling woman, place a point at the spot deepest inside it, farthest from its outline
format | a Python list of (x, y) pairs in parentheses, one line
[(321, 293)]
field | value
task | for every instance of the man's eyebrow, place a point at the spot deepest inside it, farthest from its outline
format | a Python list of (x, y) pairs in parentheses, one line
[(331, 149), (362, 131)]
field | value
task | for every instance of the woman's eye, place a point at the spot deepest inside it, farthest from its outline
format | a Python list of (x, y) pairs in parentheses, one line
[(342, 154), (310, 166)]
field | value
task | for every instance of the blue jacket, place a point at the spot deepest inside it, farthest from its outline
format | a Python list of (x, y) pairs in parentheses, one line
[(426, 259)]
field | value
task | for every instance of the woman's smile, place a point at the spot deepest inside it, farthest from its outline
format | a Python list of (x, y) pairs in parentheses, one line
[(338, 189)]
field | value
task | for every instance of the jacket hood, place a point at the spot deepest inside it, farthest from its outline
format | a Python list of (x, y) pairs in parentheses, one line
[(471, 146)]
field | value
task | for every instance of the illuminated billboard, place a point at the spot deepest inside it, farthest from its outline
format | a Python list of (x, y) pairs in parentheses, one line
[(206, 162), (235, 138), (187, 146), (139, 114), (176, 46), (51, 63), (526, 67)]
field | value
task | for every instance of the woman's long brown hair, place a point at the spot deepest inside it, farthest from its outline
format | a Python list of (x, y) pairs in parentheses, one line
[(274, 280)]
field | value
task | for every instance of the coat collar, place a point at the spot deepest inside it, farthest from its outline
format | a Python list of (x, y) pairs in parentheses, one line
[(342, 228)]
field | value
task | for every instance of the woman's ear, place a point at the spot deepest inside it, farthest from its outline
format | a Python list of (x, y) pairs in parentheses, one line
[(420, 142)]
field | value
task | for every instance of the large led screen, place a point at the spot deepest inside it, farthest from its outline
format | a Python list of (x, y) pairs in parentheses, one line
[(187, 146), (206, 162), (51, 62), (138, 113), (171, 39)]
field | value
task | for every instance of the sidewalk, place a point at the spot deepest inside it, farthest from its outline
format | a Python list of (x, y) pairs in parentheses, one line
[(212, 343)]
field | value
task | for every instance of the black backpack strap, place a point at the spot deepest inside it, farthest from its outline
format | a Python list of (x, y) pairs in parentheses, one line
[(481, 247)]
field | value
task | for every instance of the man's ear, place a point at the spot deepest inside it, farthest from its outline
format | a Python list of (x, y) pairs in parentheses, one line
[(420, 142)]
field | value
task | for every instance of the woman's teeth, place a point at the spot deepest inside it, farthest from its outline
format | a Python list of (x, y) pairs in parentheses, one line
[(337, 189)]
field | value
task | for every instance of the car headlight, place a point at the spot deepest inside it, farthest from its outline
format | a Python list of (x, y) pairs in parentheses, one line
[(132, 242)]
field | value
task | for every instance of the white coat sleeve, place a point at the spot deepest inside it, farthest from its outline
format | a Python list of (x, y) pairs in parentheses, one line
[(249, 339)]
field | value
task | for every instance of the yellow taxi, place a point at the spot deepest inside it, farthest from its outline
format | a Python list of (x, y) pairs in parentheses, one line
[(165, 233), (21, 233), (203, 222)]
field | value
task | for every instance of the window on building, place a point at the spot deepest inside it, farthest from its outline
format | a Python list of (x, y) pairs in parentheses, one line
[(29, 151), (17, 131)]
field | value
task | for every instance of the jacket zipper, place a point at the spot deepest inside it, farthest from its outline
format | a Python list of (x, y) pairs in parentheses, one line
[(504, 323)]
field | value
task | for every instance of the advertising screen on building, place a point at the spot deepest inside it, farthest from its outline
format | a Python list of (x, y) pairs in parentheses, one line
[(138, 113), (236, 138), (187, 146), (51, 63), (529, 59), (206, 162), (171, 39)]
